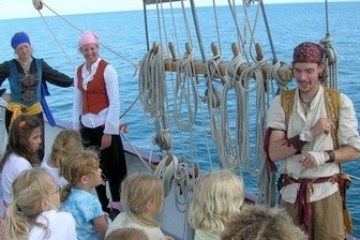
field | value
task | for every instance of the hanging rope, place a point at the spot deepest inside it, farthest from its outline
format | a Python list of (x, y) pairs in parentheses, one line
[(152, 92), (331, 74), (217, 25), (186, 93), (152, 85), (252, 72), (166, 171), (251, 28)]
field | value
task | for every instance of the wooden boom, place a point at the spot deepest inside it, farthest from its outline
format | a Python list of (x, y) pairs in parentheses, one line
[(279, 71)]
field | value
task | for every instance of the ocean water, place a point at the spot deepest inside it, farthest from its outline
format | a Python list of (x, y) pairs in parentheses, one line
[(123, 33)]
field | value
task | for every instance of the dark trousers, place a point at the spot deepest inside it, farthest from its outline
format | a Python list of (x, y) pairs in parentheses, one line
[(41, 152), (112, 162)]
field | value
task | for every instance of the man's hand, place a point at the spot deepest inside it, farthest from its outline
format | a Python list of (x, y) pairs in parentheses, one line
[(323, 125), (313, 159)]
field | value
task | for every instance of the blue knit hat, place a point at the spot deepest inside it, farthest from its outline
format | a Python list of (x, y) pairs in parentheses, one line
[(19, 38)]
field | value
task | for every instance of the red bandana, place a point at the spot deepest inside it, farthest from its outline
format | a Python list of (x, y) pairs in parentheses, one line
[(308, 52)]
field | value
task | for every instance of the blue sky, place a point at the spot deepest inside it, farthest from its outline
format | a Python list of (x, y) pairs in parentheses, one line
[(24, 8)]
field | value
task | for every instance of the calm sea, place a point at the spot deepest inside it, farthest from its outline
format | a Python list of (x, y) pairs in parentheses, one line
[(123, 32)]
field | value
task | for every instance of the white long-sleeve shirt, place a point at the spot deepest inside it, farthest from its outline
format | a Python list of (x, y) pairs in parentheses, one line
[(110, 117), (347, 135), (14, 165)]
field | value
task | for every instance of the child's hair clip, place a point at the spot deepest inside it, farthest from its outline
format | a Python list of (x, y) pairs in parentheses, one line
[(22, 124), (127, 210), (13, 203), (17, 209)]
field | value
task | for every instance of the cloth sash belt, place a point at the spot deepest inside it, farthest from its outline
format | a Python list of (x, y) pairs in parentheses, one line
[(18, 109), (303, 197)]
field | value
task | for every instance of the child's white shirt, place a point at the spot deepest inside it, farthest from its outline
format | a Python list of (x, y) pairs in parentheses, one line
[(14, 165), (123, 220), (61, 181), (61, 225)]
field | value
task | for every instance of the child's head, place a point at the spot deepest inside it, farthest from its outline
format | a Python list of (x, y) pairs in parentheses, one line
[(127, 234), (143, 195), (262, 223), (65, 143), (24, 138), (217, 196), (81, 169), (34, 191)]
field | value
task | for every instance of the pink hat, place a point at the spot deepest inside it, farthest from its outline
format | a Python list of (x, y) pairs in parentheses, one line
[(88, 37)]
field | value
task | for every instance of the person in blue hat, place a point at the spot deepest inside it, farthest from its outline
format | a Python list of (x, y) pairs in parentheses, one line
[(27, 77)]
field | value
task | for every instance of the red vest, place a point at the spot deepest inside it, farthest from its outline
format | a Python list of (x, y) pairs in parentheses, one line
[(94, 98)]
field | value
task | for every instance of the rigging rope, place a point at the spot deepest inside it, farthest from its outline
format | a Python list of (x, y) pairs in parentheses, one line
[(217, 25), (185, 89), (38, 3)]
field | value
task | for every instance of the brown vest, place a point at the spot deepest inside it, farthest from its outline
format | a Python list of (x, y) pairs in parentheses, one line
[(95, 97), (332, 103)]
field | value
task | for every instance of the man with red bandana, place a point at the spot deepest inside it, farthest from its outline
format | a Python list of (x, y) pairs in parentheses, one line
[(303, 144)]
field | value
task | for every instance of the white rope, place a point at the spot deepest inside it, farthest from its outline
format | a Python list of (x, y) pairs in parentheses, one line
[(152, 85), (163, 139), (137, 153), (227, 145), (331, 62), (152, 88), (152, 92), (166, 171), (251, 28), (217, 25), (186, 24), (254, 71), (276, 69), (241, 39), (174, 27), (186, 92), (182, 179), (57, 40), (213, 101)]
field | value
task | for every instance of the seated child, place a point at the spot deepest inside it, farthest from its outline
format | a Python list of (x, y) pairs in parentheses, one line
[(81, 169), (142, 195), (33, 213), (217, 197), (262, 223), (21, 151), (127, 234), (65, 143)]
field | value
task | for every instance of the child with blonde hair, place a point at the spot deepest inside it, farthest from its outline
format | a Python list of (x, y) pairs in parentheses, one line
[(217, 197), (81, 169), (65, 143), (127, 234), (33, 213), (142, 195), (21, 151)]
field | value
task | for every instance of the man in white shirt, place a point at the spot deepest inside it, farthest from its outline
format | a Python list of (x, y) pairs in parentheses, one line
[(310, 158)]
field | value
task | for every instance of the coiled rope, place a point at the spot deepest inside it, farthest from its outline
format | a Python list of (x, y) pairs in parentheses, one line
[(186, 92)]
